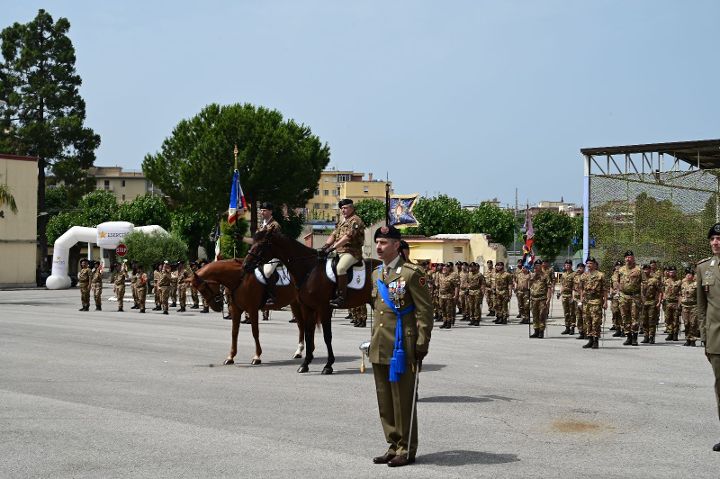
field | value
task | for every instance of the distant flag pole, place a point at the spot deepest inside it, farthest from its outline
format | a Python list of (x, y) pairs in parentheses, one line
[(387, 200), (237, 198), (528, 254)]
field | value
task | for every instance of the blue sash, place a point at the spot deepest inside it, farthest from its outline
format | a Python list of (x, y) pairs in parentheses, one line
[(397, 362)]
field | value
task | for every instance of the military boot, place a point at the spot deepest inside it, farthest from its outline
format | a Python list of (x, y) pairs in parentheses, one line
[(676, 335), (536, 334), (491, 313), (613, 328), (646, 339), (617, 334), (572, 331), (669, 337), (628, 340), (692, 343), (361, 323), (566, 330), (541, 335), (582, 335), (339, 300), (589, 344), (652, 339), (634, 339), (596, 343)]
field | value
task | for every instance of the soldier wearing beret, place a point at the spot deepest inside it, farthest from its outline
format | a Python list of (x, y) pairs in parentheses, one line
[(594, 301), (84, 284), (449, 289), (577, 292), (708, 307), (403, 308), (617, 324), (97, 283), (630, 280), (347, 240), (688, 305), (268, 224), (651, 290), (568, 302), (503, 292), (670, 299), (540, 295), (490, 290)]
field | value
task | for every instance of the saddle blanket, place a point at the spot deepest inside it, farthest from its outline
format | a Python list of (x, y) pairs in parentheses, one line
[(357, 280), (281, 270)]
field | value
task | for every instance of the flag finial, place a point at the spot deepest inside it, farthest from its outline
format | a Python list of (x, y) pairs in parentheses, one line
[(235, 153)]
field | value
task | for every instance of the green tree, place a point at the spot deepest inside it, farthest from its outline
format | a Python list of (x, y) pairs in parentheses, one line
[(6, 198), (194, 228), (441, 214), (370, 211), (231, 243), (291, 224), (145, 210), (57, 200), (494, 221), (98, 207), (148, 249), (553, 233), (61, 222), (42, 113), (279, 160)]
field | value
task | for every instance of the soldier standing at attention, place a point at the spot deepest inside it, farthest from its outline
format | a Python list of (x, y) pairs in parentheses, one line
[(708, 308), (568, 303), (462, 275), (133, 285), (120, 277), (164, 286), (97, 284), (579, 271), (182, 277), (671, 294), (490, 290), (522, 291), (651, 292), (615, 302), (174, 284), (540, 294), (503, 293), (141, 286), (474, 298), (193, 290), (516, 274), (630, 279), (157, 274), (347, 240), (84, 284), (449, 291), (688, 303), (403, 307), (593, 296)]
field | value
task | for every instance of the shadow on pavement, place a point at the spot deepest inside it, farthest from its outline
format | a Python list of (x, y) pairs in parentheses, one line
[(464, 399), (464, 458)]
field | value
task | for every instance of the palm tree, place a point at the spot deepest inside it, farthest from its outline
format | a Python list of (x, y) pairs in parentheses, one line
[(7, 198)]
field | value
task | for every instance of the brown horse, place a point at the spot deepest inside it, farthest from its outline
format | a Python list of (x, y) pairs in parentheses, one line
[(315, 290), (246, 294)]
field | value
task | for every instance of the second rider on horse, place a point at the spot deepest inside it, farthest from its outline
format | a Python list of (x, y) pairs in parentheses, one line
[(347, 239), (268, 224)]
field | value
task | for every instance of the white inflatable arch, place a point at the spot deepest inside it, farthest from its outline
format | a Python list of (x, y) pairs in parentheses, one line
[(107, 236)]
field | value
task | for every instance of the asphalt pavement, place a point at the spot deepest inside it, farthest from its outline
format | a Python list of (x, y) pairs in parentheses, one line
[(107, 394)]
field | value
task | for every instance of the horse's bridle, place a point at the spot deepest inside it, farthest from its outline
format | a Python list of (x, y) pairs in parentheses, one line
[(216, 297)]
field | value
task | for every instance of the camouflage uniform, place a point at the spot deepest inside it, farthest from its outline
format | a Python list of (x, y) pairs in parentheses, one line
[(164, 287), (359, 316), (119, 282), (84, 285), (174, 287), (437, 311), (539, 287), (475, 282), (97, 286), (133, 288), (182, 286), (156, 289), (463, 281), (593, 289), (567, 283), (141, 288), (579, 313), (630, 280), (503, 285), (688, 302), (490, 291), (522, 292), (447, 285), (615, 304), (671, 293), (651, 290)]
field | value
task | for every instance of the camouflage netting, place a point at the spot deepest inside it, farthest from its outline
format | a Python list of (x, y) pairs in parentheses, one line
[(660, 216)]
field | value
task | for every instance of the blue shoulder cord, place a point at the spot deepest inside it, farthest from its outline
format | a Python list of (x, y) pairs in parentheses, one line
[(397, 362)]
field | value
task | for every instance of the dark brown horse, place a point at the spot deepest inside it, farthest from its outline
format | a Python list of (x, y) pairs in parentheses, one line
[(246, 294), (315, 290)]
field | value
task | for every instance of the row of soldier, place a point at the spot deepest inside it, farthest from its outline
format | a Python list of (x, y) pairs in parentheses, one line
[(169, 284)]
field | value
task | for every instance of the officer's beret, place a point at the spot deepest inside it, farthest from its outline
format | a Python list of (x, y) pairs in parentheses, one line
[(618, 263), (591, 259), (580, 265), (449, 264), (689, 270), (672, 268), (646, 266), (266, 205), (567, 261), (389, 232), (499, 263), (489, 261), (538, 261), (628, 253), (715, 230), (652, 261), (343, 202)]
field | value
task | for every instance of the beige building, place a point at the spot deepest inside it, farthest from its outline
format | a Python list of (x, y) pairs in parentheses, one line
[(18, 231), (125, 185), (456, 247), (335, 185)]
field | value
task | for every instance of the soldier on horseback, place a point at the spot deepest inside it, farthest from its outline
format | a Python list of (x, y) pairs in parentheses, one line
[(347, 240), (269, 225)]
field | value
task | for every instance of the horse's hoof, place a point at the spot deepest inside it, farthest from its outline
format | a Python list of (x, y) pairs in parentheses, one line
[(297, 356), (255, 362), (229, 362), (327, 370), (303, 369)]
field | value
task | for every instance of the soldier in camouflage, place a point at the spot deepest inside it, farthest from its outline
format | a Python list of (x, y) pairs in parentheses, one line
[(449, 290), (567, 283), (688, 303), (490, 289), (593, 297), (503, 292), (540, 295), (577, 289), (630, 280), (650, 291), (522, 292), (670, 298), (615, 302)]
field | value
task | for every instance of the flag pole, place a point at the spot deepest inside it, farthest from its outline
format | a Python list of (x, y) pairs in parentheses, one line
[(387, 200), (235, 154)]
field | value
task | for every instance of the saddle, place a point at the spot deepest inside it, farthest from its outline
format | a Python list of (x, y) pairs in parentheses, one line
[(356, 274), (281, 276)]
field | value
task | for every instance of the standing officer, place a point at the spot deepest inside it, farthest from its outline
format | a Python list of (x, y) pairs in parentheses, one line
[(615, 302), (193, 289), (540, 294), (593, 297), (84, 284), (630, 280), (157, 274), (182, 277), (448, 289), (708, 307), (577, 290), (141, 287), (568, 303), (133, 285), (490, 290), (475, 282), (97, 284), (522, 291), (120, 277), (463, 271), (651, 291), (347, 240), (503, 292), (688, 303), (403, 307), (164, 286), (671, 294)]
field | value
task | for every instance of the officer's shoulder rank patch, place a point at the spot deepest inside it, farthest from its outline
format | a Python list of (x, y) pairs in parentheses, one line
[(704, 260), (422, 280)]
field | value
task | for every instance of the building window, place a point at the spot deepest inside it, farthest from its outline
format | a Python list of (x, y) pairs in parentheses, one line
[(123, 196), (326, 206), (343, 178), (107, 184), (337, 192), (366, 189), (457, 249), (326, 192), (123, 184), (317, 191)]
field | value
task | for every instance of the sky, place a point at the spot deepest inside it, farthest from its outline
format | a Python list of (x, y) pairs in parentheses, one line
[(475, 99)]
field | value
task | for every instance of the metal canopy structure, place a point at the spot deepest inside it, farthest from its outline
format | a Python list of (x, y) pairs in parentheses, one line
[(654, 165)]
